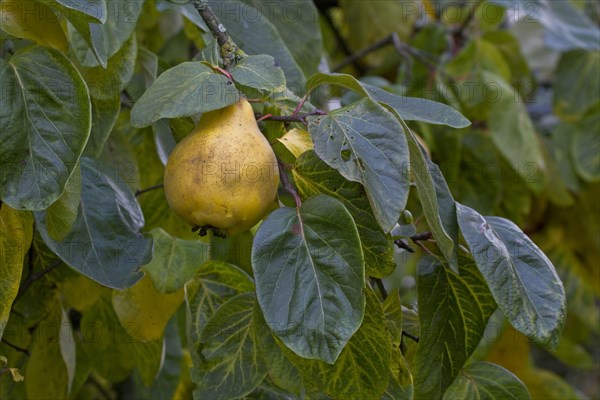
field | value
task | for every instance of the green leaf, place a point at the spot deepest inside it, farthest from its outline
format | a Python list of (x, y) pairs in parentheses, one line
[(88, 41), (186, 89), (585, 147), (418, 109), (145, 71), (113, 352), (298, 26), (522, 280), (567, 27), (214, 283), (93, 43), (309, 272), (259, 72), (392, 311), (33, 21), (279, 368), (104, 116), (364, 142), (175, 261), (453, 313), (546, 385), (61, 215), (364, 22), (312, 176), (401, 383), (476, 57), (165, 383), (50, 369), (261, 38), (16, 232), (231, 367), (508, 45), (90, 10), (148, 358), (573, 354), (184, 8), (105, 243), (343, 80), (486, 381), (435, 198), (107, 83), (164, 139), (236, 250), (513, 133), (577, 83), (579, 286), (44, 126), (362, 370)]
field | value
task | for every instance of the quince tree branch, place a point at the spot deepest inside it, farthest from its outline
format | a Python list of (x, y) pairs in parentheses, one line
[(229, 50)]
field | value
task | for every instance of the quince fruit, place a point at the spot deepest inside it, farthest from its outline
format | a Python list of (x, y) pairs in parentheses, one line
[(223, 176)]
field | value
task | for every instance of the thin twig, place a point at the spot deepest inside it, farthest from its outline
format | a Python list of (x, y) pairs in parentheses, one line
[(148, 189), (288, 118), (361, 53), (403, 49), (342, 43), (300, 104), (402, 244), (408, 335), (15, 347), (287, 185), (421, 236), (381, 287), (229, 49), (32, 278), (425, 249)]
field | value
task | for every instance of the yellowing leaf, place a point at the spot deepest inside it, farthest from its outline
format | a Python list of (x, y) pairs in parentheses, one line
[(143, 311), (80, 293), (50, 368), (34, 21), (16, 230), (297, 141)]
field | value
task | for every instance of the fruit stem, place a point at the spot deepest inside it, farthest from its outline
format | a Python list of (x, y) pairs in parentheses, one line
[(287, 185)]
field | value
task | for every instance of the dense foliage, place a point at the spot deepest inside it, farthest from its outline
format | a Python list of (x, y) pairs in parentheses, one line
[(437, 233)]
